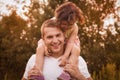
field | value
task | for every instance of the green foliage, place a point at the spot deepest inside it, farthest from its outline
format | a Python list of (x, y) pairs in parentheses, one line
[(107, 72), (15, 48)]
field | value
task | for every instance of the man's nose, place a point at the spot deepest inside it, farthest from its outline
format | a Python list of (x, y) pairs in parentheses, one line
[(55, 39)]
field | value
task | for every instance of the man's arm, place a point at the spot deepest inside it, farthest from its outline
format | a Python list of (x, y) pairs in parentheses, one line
[(23, 79), (30, 64), (74, 72), (81, 77), (79, 73), (89, 78)]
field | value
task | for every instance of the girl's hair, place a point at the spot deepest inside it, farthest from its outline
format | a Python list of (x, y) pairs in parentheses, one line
[(69, 12)]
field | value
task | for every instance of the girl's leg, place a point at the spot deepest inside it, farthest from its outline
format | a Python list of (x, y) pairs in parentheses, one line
[(40, 55), (73, 59), (75, 52)]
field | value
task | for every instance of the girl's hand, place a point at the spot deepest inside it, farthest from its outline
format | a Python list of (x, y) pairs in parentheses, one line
[(47, 52)]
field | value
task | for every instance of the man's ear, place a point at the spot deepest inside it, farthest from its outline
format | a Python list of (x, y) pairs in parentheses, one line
[(42, 37)]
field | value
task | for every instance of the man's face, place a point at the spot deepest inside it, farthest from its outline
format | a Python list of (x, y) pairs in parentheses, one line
[(54, 39)]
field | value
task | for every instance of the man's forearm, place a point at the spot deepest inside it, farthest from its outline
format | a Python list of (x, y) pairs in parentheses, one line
[(80, 77), (23, 79), (89, 78)]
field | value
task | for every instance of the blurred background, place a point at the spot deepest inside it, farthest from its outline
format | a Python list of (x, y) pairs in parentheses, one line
[(20, 22)]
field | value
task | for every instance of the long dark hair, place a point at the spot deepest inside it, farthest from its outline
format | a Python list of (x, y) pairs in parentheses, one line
[(69, 12)]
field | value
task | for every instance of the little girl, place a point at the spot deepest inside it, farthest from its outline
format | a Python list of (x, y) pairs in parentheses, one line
[(67, 15)]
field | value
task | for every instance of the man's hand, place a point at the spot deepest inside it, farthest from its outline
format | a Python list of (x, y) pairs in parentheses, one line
[(74, 71), (62, 61), (34, 73)]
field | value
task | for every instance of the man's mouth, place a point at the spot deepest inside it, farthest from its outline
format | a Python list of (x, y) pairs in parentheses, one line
[(56, 46)]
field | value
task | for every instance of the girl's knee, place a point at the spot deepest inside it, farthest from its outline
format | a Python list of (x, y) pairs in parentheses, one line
[(40, 41)]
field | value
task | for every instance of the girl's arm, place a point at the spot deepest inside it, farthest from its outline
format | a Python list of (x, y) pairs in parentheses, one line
[(40, 55), (71, 41)]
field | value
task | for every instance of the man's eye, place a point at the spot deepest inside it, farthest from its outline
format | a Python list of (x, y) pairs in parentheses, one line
[(49, 37), (58, 35)]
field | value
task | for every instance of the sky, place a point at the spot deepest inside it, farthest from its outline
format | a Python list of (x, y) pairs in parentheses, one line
[(5, 6), (109, 19), (18, 5)]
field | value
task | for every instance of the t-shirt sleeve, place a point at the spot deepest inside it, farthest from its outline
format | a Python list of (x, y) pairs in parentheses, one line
[(83, 67), (29, 66)]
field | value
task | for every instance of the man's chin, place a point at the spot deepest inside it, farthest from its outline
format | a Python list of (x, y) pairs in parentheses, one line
[(56, 51)]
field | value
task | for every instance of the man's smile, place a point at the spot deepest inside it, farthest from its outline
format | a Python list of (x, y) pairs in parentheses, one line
[(55, 46)]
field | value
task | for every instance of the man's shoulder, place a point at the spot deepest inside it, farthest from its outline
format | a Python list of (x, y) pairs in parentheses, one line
[(32, 59), (33, 56), (81, 60), (83, 67)]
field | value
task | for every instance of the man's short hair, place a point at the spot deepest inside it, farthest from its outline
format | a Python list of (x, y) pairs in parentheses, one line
[(48, 23)]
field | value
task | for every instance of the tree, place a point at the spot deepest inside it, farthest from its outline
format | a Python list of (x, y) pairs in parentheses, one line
[(15, 45)]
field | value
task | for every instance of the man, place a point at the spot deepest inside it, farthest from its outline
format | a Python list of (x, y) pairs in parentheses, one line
[(54, 40)]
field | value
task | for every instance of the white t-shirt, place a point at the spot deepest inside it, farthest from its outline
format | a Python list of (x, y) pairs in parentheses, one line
[(52, 69)]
